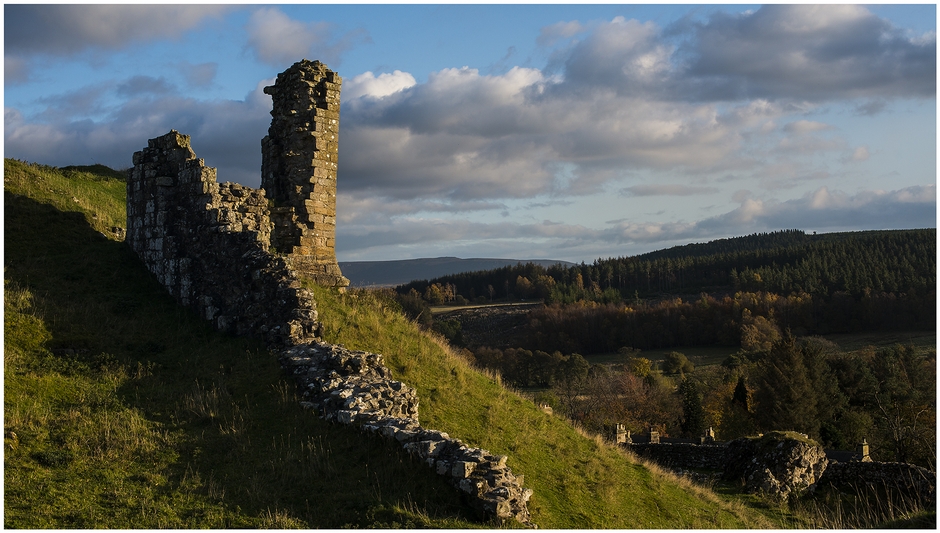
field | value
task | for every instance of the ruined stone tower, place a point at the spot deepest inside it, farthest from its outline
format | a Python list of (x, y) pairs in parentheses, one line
[(298, 169)]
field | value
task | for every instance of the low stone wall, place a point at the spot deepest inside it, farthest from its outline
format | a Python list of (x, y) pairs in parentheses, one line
[(781, 466), (355, 388), (910, 480), (681, 456)]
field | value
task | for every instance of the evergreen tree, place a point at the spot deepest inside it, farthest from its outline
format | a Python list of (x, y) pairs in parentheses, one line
[(693, 415), (785, 397)]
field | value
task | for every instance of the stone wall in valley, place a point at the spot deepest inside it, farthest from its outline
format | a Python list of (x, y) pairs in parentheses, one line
[(909, 480), (782, 464)]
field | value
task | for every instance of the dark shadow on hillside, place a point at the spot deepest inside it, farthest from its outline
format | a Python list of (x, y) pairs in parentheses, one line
[(238, 434)]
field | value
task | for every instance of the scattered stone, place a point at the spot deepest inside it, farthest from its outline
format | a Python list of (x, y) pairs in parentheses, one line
[(344, 385)]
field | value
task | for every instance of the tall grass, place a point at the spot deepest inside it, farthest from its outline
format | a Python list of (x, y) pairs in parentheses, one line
[(864, 507)]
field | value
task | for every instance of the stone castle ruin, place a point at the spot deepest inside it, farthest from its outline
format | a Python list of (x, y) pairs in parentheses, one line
[(298, 170), (238, 256)]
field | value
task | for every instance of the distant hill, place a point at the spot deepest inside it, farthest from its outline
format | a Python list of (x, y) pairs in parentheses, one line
[(392, 273)]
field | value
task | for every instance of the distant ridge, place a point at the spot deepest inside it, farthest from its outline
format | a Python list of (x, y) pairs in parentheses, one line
[(393, 273)]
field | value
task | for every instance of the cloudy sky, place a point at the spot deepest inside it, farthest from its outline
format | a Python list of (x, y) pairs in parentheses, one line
[(534, 131)]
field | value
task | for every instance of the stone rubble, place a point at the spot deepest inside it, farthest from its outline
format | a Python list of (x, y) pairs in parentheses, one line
[(354, 387)]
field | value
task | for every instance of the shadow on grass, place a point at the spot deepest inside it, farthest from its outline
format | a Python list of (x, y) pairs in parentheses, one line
[(224, 442)]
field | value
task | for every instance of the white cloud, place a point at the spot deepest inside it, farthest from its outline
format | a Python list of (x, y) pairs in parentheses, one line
[(549, 35), (368, 84), (226, 133), (808, 52), (277, 39), (805, 126), (201, 75), (666, 190), (15, 70)]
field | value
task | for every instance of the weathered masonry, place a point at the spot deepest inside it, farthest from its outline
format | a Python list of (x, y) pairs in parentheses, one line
[(298, 169), (237, 256), (780, 465), (208, 244)]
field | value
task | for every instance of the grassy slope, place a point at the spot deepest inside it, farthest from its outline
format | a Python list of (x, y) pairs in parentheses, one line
[(578, 481), (121, 408)]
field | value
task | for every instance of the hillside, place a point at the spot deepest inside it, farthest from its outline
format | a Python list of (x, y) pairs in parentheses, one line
[(124, 410), (391, 273), (783, 262)]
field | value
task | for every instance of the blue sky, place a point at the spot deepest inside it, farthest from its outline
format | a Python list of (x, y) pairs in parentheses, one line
[(520, 131)]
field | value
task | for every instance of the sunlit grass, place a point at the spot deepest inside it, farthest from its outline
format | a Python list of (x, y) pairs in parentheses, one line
[(579, 481)]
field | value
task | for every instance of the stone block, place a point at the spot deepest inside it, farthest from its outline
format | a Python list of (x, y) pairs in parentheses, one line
[(462, 469)]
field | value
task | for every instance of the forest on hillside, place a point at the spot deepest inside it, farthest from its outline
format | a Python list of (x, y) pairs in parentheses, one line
[(767, 297), (717, 293)]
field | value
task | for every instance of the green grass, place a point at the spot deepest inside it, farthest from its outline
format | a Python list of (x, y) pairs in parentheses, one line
[(124, 410), (96, 192), (578, 481)]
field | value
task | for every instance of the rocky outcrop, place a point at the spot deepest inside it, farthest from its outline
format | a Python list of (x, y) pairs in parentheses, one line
[(778, 464), (355, 388)]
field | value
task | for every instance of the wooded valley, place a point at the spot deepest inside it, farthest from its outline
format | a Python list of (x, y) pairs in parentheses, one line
[(767, 299)]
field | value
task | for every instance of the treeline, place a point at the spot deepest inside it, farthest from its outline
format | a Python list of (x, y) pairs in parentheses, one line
[(832, 283), (783, 262), (885, 396)]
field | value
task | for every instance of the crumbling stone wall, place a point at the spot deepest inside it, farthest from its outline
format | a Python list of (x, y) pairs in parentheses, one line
[(683, 456), (907, 479), (227, 252), (298, 169), (354, 387), (208, 245), (780, 466)]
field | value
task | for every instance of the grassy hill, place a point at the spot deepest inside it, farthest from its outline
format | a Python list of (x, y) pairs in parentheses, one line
[(124, 410)]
